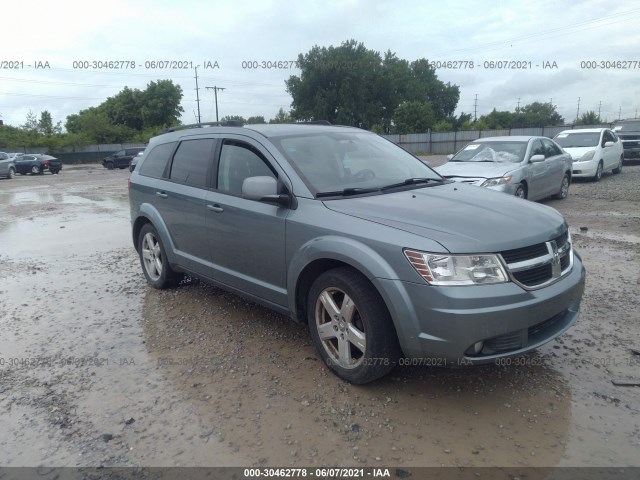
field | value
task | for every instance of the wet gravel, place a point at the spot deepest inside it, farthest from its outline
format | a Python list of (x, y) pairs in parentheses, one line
[(98, 369)]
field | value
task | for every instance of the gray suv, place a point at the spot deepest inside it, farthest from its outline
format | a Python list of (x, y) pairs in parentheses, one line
[(386, 261)]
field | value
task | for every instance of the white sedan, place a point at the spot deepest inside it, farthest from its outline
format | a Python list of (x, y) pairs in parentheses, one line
[(594, 150)]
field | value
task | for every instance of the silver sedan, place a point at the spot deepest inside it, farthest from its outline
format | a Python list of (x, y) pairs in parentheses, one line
[(525, 166)]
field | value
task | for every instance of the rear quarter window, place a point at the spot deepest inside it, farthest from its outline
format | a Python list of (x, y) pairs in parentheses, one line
[(156, 160)]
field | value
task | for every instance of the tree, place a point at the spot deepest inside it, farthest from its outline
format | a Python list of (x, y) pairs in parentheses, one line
[(256, 120), (161, 104), (31, 123), (352, 85), (281, 117), (45, 125), (413, 117), (538, 114), (498, 119), (589, 118), (233, 118)]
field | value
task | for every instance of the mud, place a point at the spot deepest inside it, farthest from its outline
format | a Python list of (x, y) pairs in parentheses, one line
[(98, 369)]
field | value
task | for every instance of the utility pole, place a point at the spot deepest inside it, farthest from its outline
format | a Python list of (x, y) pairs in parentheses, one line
[(599, 107), (578, 112), (518, 107), (197, 95), (475, 109), (620, 113), (551, 101), (215, 93)]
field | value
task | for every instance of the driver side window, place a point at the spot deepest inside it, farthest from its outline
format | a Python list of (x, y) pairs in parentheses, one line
[(237, 162)]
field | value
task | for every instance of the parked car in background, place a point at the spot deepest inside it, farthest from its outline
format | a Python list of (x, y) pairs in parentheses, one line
[(524, 166), (629, 133), (347, 232), (594, 150), (121, 158), (13, 155), (37, 164), (134, 161), (7, 167)]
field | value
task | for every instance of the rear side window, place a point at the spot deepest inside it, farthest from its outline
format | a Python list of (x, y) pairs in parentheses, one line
[(191, 162), (156, 160)]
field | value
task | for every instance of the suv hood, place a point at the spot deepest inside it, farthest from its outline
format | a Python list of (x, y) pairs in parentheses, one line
[(462, 218), (476, 169)]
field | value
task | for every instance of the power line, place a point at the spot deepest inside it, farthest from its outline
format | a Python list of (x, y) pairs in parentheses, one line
[(215, 92)]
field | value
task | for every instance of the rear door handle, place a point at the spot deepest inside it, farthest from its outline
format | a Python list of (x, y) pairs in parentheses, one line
[(161, 194), (215, 208)]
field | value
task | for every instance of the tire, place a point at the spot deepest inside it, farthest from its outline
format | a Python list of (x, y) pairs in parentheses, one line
[(598, 175), (54, 171), (109, 165), (12, 173), (373, 349), (35, 170), (153, 259), (618, 169), (521, 191), (564, 188)]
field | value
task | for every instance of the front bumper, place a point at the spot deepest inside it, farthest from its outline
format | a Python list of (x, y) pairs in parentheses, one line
[(442, 324), (585, 169)]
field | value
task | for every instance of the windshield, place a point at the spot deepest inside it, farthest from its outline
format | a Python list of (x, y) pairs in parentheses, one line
[(627, 127), (576, 140), (500, 152), (356, 162)]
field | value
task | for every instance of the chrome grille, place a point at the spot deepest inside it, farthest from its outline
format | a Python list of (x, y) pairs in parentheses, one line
[(541, 264)]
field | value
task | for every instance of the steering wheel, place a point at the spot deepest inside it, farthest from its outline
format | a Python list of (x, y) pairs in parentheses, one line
[(365, 174)]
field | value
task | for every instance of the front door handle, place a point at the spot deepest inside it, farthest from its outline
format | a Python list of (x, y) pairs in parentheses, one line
[(215, 208), (161, 194)]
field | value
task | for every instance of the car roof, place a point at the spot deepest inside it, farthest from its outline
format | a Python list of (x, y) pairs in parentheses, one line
[(266, 130), (514, 138), (583, 130)]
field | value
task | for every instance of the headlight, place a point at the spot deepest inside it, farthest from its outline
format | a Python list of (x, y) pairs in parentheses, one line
[(587, 156), (443, 269), (492, 182)]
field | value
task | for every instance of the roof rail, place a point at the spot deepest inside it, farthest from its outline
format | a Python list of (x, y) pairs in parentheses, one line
[(228, 123), (315, 122)]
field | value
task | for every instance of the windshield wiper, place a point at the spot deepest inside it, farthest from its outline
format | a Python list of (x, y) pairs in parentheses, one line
[(412, 181), (346, 192)]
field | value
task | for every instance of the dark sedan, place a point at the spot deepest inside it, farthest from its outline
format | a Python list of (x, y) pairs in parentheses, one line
[(37, 164)]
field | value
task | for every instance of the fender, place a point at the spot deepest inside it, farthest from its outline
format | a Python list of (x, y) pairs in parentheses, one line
[(150, 212)]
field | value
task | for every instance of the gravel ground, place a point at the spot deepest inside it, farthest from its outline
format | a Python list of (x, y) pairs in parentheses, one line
[(98, 369)]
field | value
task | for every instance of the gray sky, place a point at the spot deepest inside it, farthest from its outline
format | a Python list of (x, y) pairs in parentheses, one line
[(566, 33)]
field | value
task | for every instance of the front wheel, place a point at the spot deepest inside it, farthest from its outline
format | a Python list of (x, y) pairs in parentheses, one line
[(351, 327), (618, 169), (110, 166), (12, 173), (521, 191), (564, 188), (153, 258), (598, 174)]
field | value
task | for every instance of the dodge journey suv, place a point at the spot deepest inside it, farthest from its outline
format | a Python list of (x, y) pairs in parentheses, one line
[(342, 230)]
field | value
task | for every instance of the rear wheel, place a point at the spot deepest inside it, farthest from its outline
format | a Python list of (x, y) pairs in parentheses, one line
[(12, 173), (351, 326), (35, 170), (153, 258), (564, 188), (618, 169)]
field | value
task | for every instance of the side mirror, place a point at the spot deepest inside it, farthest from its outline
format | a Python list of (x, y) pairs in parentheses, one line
[(536, 158), (449, 157), (608, 144), (264, 189)]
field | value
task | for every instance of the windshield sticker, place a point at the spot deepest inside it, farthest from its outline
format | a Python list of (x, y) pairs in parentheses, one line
[(472, 146), (563, 135)]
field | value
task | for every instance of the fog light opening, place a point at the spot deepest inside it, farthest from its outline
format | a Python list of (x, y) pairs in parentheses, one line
[(477, 347)]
